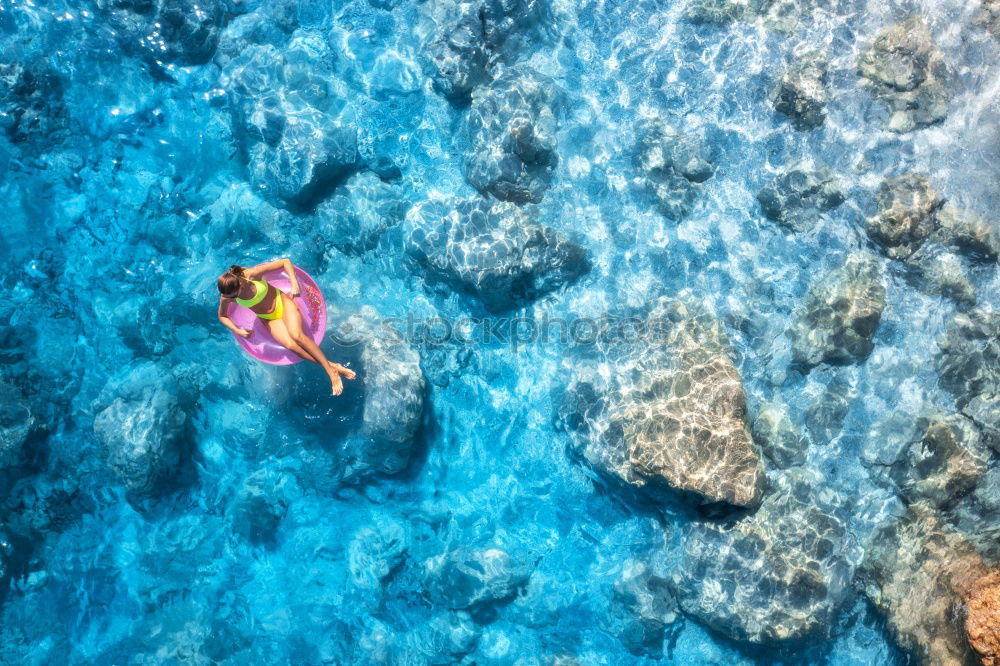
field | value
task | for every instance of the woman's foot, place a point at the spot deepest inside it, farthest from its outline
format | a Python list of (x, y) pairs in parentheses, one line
[(347, 372), (336, 384)]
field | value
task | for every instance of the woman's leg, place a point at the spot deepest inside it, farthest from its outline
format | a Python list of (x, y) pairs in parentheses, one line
[(280, 333), (293, 322)]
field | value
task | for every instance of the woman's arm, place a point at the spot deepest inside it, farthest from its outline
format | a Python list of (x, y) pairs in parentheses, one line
[(285, 264), (226, 321)]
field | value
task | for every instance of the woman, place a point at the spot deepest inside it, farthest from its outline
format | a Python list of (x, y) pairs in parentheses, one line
[(278, 311)]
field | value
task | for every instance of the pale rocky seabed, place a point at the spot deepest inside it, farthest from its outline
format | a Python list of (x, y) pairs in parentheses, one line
[(800, 198)]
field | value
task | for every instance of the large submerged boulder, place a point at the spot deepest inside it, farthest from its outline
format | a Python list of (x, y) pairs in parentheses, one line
[(491, 251), (469, 577), (777, 576), (917, 572), (642, 609), (255, 28), (185, 32), (140, 426), (934, 457), (968, 366), (799, 195), (472, 37), (459, 53), (982, 617), (259, 508), (313, 155), (375, 552), (905, 69), (840, 314), (936, 270), (969, 233), (288, 111), (781, 15), (801, 92), (356, 216), (668, 411), (780, 439), (512, 128), (824, 417), (906, 215), (989, 17), (395, 389), (32, 109), (673, 165), (16, 423), (395, 393)]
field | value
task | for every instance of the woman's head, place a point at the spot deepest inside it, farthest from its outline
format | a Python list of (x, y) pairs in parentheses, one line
[(229, 282)]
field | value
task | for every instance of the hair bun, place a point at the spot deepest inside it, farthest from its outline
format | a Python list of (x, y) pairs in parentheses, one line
[(236, 269)]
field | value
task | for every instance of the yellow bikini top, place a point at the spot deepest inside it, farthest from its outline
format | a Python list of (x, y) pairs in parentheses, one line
[(262, 289)]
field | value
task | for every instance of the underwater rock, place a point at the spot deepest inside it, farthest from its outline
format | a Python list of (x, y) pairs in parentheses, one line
[(906, 216), (798, 196), (976, 514), (982, 616), (375, 552), (394, 392), (776, 576), (942, 273), (643, 608), (472, 37), (779, 439), (239, 215), (968, 366), (32, 110), (446, 639), (801, 92), (968, 233), (716, 12), (464, 578), (459, 55), (668, 412), (16, 422), (45, 503), (840, 314), (286, 107), (140, 426), (395, 389), (249, 29), (917, 572), (509, 24), (906, 70), (355, 217), (824, 418), (777, 14), (259, 507), (934, 458), (674, 166), (254, 80), (494, 252), (989, 17), (512, 127), (312, 157), (185, 32)]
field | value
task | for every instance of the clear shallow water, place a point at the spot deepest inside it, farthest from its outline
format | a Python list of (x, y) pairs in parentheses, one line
[(121, 212)]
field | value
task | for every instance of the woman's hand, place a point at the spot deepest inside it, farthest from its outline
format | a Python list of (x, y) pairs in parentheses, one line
[(295, 289), (244, 332)]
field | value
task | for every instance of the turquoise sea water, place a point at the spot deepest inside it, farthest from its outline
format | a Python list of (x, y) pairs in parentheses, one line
[(149, 145)]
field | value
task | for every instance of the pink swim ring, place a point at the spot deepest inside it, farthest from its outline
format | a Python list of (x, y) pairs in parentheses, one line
[(261, 344)]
